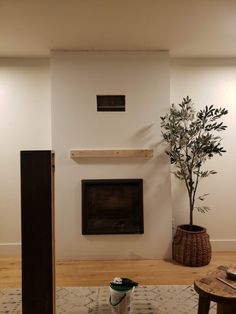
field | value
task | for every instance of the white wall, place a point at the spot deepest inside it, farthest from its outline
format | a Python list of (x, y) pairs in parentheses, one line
[(77, 77), (210, 81), (25, 123)]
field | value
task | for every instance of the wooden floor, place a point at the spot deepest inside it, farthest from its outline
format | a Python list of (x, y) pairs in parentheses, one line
[(99, 273)]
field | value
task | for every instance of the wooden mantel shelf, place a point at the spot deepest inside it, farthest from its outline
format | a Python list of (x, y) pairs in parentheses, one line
[(111, 153)]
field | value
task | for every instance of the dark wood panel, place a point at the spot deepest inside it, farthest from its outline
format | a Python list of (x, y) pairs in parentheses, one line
[(37, 225)]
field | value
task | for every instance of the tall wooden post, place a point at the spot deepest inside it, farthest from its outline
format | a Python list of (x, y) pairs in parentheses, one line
[(37, 231)]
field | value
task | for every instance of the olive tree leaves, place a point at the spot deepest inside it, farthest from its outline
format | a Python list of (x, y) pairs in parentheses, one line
[(193, 139)]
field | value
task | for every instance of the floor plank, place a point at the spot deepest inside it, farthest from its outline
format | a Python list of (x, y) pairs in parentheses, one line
[(99, 273)]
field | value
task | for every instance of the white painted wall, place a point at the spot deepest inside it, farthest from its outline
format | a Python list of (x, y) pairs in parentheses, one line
[(210, 81), (25, 123), (77, 77)]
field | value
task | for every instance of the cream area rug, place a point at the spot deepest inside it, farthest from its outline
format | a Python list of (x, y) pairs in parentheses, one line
[(162, 299)]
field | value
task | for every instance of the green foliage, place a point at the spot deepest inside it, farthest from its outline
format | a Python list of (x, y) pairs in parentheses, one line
[(193, 139)]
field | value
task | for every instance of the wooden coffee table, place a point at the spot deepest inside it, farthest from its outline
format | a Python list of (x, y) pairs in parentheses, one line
[(210, 288)]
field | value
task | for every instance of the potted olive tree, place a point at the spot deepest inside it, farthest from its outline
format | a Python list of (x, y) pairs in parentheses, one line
[(193, 139)]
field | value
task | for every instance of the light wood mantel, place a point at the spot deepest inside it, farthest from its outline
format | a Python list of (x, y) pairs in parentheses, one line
[(111, 153)]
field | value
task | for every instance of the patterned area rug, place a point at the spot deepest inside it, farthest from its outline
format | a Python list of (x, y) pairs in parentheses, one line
[(95, 300)]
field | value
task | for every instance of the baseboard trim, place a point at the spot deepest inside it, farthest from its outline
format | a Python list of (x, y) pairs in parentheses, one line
[(10, 249), (226, 245), (223, 245)]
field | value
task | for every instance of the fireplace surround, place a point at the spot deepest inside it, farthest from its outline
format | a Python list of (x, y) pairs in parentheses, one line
[(144, 78), (112, 206)]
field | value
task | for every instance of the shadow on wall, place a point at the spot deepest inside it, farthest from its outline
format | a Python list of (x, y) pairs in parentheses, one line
[(143, 136)]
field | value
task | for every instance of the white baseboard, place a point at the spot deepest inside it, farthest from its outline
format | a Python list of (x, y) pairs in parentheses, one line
[(223, 245), (10, 249)]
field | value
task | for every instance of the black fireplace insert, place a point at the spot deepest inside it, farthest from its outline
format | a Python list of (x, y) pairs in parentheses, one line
[(112, 206)]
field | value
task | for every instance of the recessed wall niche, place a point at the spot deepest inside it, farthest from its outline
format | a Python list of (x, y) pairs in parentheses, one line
[(110, 102)]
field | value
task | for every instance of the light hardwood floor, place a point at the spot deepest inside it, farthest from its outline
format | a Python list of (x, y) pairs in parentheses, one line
[(99, 273)]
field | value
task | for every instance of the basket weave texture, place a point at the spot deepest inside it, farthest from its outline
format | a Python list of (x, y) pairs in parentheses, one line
[(191, 248)]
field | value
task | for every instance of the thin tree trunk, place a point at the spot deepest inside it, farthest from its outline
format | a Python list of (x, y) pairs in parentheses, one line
[(190, 209)]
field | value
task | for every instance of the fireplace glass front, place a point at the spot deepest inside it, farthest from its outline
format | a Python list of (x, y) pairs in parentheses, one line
[(112, 206)]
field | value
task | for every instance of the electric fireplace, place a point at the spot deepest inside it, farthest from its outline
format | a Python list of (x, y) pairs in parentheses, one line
[(112, 206)]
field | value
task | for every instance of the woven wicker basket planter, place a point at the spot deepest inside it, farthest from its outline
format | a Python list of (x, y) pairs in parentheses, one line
[(191, 248)]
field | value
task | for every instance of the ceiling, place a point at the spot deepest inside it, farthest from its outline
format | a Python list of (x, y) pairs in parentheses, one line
[(187, 28)]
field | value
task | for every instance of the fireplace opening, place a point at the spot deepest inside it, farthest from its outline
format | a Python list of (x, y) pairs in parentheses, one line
[(112, 206)]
